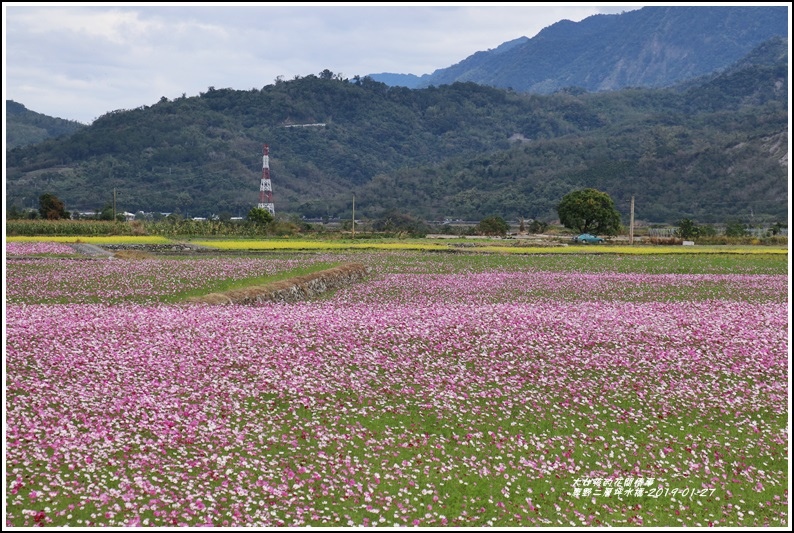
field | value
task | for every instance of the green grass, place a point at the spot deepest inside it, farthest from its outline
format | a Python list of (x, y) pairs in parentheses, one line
[(227, 285), (757, 263)]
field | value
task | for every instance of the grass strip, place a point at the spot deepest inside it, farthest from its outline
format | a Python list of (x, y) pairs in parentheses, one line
[(289, 289), (228, 285)]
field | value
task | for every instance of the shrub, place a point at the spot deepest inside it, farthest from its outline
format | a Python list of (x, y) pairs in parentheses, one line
[(493, 225)]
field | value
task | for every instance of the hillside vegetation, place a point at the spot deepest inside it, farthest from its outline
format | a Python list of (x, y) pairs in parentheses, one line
[(711, 150), (25, 127)]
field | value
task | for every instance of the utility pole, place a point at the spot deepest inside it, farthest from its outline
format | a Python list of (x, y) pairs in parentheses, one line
[(114, 204), (354, 215), (631, 222)]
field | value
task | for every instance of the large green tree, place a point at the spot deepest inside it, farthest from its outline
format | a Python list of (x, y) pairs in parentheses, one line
[(589, 211), (51, 207), (687, 229)]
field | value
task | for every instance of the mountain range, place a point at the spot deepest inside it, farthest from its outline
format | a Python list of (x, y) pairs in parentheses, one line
[(648, 47), (711, 147)]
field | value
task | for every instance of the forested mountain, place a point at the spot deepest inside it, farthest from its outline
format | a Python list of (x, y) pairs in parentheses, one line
[(713, 150), (24, 126), (656, 46)]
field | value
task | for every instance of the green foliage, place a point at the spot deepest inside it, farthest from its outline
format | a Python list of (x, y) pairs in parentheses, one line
[(15, 213), (65, 227), (25, 127), (259, 215), (687, 229), (589, 211), (735, 228), (107, 213), (283, 228), (453, 151), (395, 222), (776, 228), (537, 226), (51, 207), (493, 225)]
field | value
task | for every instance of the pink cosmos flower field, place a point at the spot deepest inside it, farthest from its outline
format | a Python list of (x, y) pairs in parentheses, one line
[(37, 247), (448, 396), (114, 280)]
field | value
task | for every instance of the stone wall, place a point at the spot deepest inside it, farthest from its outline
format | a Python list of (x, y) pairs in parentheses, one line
[(290, 290)]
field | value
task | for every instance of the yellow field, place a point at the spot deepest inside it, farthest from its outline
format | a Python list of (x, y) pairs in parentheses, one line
[(413, 244), (317, 245)]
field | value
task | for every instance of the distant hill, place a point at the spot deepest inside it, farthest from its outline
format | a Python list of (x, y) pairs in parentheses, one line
[(649, 47), (712, 150), (412, 82), (24, 127)]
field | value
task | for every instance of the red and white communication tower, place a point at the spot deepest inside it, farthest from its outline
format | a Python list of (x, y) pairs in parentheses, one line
[(265, 189)]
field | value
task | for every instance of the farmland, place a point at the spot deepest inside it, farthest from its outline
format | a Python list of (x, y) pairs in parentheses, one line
[(447, 389)]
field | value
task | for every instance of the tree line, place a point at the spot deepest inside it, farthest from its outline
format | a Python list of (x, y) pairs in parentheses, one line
[(584, 211)]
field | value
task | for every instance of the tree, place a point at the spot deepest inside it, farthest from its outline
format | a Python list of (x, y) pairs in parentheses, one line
[(777, 228), (537, 226), (14, 213), (394, 221), (706, 231), (735, 228), (259, 215), (589, 211), (107, 213), (493, 225), (687, 229), (51, 207)]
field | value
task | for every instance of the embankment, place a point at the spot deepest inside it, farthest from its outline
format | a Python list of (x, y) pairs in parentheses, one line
[(289, 290)]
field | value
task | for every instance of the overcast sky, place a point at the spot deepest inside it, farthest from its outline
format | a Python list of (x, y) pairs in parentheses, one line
[(79, 61)]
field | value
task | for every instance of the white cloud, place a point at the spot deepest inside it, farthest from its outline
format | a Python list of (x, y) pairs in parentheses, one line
[(79, 62), (117, 26)]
